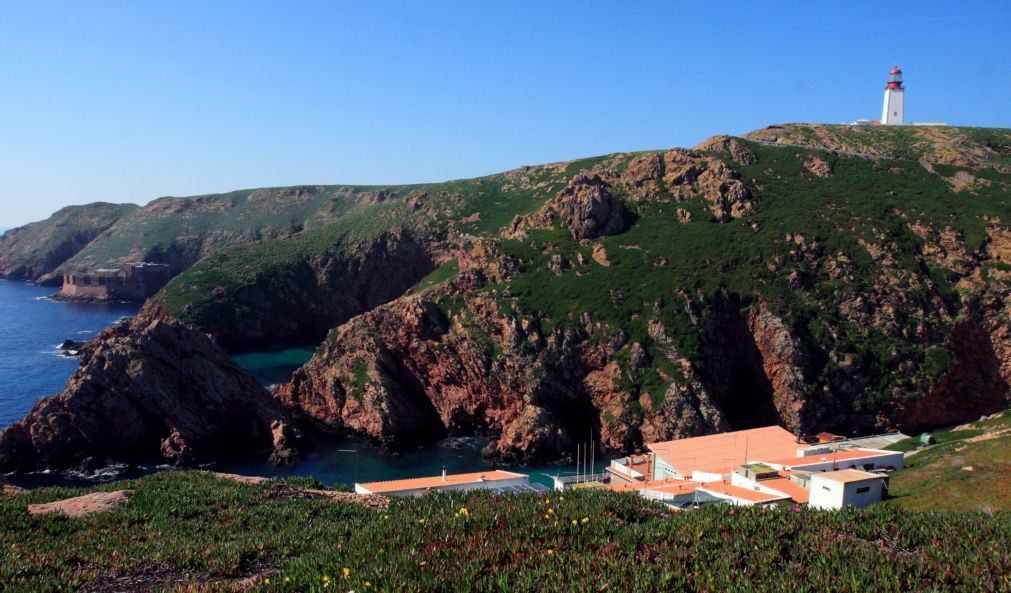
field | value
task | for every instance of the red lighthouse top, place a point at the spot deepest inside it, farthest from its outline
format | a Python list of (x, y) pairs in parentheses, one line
[(895, 78)]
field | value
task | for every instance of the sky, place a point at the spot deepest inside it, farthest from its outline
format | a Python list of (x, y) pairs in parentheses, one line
[(130, 101)]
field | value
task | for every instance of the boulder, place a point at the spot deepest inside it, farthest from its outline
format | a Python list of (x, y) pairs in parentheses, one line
[(78, 506), (589, 209)]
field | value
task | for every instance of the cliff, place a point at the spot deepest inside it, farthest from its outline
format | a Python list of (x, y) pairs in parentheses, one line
[(664, 295), (150, 390)]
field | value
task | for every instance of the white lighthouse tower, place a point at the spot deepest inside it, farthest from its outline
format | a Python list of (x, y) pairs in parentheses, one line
[(892, 114)]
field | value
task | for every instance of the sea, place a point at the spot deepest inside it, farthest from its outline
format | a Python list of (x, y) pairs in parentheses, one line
[(32, 327)]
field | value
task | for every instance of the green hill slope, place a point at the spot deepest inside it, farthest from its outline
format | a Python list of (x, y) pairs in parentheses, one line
[(33, 251), (180, 231), (969, 469), (950, 145)]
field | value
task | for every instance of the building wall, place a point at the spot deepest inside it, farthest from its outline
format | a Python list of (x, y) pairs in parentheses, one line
[(663, 470), (892, 113), (831, 494), (133, 282)]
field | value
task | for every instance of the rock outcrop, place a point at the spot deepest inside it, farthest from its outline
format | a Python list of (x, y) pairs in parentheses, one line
[(740, 152), (589, 209), (150, 389)]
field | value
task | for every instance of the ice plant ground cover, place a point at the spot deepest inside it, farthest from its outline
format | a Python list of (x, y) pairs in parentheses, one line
[(192, 531)]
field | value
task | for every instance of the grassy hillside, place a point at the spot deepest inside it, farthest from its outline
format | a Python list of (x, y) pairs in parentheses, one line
[(191, 531), (229, 289), (976, 147), (180, 231), (32, 251), (968, 469)]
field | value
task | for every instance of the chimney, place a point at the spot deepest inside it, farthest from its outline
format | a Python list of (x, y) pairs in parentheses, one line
[(444, 473)]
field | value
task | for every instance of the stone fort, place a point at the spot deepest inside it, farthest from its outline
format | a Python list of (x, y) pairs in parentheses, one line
[(130, 282)]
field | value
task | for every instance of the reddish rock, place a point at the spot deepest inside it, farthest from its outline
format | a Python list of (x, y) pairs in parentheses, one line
[(738, 150), (96, 502), (149, 389), (588, 208), (818, 166)]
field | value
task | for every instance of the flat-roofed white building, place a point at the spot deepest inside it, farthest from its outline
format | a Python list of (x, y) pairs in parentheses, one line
[(846, 488)]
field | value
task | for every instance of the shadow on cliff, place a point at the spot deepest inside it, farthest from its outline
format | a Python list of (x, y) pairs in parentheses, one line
[(733, 366)]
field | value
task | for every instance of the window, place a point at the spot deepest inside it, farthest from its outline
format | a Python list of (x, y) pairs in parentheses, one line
[(863, 489)]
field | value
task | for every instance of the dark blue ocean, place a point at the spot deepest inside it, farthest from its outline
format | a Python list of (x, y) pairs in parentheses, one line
[(31, 329), (31, 366)]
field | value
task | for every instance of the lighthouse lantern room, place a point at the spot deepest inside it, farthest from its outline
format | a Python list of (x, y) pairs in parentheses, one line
[(892, 114)]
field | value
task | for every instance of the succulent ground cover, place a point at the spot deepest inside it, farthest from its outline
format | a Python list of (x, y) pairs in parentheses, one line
[(194, 532)]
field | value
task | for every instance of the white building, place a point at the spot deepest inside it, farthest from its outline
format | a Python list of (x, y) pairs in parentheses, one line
[(893, 113), (846, 488)]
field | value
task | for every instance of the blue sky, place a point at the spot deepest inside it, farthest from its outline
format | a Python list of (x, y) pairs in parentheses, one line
[(128, 101)]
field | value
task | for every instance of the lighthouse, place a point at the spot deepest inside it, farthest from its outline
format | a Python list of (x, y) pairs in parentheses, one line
[(892, 114)]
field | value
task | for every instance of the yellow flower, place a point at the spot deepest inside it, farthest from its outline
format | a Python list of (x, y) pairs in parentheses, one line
[(347, 572), (547, 516), (552, 511), (586, 520), (561, 499), (266, 581), (326, 578), (386, 517), (464, 511), (367, 584), (287, 580), (550, 552), (421, 521), (575, 522)]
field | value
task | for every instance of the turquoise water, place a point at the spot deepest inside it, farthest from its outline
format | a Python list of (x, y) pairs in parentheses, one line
[(347, 461), (275, 366), (31, 366)]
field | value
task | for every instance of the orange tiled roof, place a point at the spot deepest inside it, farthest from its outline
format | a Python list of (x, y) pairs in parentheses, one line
[(730, 448), (438, 482), (796, 462), (784, 485), (738, 492)]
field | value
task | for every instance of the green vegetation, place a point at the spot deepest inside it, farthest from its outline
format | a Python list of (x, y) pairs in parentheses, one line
[(183, 230), (982, 147), (32, 251), (864, 202), (446, 271), (968, 469), (204, 530)]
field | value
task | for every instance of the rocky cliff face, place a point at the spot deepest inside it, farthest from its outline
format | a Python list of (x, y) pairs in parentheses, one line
[(151, 389), (299, 298), (485, 353)]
